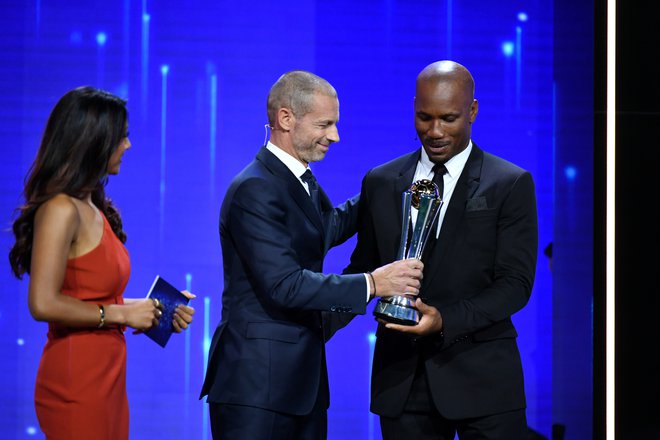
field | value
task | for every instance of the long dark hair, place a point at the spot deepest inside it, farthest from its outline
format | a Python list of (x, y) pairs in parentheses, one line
[(83, 131)]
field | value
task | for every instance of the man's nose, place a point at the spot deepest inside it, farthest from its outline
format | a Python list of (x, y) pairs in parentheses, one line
[(436, 129), (333, 134)]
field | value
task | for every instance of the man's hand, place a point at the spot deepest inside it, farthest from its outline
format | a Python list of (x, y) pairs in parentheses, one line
[(430, 322), (398, 278)]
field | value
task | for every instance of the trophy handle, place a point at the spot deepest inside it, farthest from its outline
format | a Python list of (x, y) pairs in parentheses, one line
[(428, 211), (405, 223)]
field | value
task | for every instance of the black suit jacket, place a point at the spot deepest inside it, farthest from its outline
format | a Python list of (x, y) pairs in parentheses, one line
[(268, 350), (478, 273)]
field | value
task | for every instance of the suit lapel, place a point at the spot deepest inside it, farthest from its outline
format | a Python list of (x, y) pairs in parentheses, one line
[(467, 185), (293, 186), (326, 204)]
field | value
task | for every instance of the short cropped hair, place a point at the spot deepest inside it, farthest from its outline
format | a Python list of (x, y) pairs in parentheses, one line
[(294, 90)]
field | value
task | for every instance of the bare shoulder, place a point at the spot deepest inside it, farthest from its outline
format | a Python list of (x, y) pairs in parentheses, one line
[(59, 211)]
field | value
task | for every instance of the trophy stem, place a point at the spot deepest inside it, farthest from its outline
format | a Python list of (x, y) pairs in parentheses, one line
[(423, 195)]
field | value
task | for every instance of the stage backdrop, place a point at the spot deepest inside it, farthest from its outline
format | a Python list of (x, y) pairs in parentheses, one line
[(196, 75)]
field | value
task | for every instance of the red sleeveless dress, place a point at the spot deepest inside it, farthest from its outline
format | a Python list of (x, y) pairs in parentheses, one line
[(80, 392)]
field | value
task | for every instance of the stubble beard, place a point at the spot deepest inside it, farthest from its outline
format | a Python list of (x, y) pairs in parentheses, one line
[(311, 153)]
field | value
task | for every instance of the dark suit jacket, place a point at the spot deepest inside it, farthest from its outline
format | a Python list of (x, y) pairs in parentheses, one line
[(478, 274), (268, 350)]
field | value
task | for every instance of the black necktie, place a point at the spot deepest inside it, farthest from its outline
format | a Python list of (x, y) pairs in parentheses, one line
[(313, 186), (439, 171)]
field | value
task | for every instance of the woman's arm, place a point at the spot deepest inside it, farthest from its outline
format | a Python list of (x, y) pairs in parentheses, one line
[(57, 224)]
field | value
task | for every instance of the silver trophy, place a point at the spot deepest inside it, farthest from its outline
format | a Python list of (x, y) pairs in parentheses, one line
[(422, 195)]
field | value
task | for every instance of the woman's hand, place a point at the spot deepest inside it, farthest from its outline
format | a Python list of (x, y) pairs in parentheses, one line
[(183, 315), (141, 314)]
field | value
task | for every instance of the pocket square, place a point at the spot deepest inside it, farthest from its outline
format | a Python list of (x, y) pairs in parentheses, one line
[(476, 204)]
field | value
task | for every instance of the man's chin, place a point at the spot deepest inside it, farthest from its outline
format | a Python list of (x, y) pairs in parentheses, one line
[(317, 157), (438, 155)]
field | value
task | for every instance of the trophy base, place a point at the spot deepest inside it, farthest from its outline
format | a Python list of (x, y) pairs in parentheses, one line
[(397, 310)]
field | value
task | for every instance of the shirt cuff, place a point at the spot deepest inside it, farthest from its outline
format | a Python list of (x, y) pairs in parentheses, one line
[(366, 278)]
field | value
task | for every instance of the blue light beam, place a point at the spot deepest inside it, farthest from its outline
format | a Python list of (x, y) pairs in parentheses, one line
[(164, 70)]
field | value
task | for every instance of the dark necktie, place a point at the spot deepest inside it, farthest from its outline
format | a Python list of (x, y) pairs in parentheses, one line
[(313, 186), (439, 171)]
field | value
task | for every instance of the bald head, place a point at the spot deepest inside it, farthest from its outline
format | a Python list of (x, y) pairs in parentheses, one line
[(448, 71), (445, 109)]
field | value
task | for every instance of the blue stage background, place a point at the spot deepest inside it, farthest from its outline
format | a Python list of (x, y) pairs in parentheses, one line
[(196, 75)]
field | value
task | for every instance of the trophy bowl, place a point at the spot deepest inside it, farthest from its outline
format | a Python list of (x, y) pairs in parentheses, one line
[(423, 196)]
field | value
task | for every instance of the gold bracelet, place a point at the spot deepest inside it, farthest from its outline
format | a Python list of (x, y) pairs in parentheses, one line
[(373, 294), (102, 313)]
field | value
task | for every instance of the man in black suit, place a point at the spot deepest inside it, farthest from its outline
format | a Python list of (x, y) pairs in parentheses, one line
[(458, 370), (266, 376)]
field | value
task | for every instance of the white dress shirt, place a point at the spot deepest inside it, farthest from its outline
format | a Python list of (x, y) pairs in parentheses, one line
[(454, 167)]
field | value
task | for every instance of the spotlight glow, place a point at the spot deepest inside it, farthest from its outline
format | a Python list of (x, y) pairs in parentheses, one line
[(508, 48), (570, 172), (101, 38)]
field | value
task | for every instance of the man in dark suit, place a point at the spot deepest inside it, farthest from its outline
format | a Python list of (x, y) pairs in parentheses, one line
[(458, 370), (266, 376)]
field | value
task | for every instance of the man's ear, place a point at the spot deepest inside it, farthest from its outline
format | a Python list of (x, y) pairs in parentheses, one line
[(474, 109), (286, 118)]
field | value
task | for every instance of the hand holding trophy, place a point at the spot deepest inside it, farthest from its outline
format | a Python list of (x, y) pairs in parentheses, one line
[(422, 195)]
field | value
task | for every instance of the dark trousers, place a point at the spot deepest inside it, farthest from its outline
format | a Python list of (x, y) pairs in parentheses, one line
[(419, 426), (237, 422), (421, 420)]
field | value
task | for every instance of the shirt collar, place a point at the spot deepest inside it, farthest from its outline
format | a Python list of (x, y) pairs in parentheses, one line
[(289, 161)]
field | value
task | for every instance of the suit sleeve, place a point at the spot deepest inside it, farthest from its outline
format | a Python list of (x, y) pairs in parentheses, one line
[(513, 268), (365, 255), (282, 252), (360, 260), (342, 222)]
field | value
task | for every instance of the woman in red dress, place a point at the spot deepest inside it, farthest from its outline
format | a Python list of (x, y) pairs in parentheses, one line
[(70, 240)]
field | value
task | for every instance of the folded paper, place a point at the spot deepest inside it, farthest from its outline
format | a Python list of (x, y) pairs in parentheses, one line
[(170, 297)]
